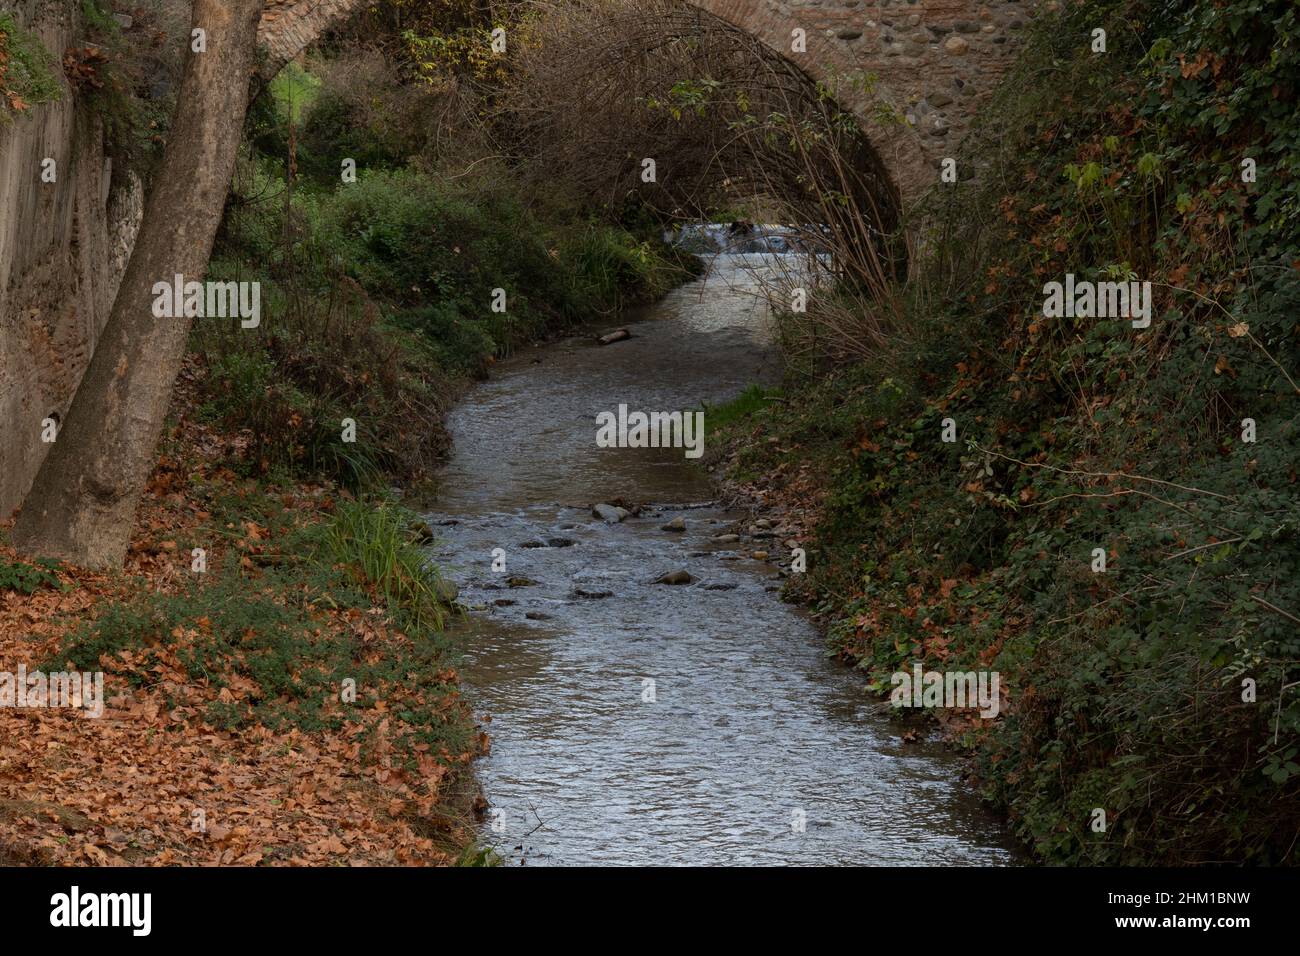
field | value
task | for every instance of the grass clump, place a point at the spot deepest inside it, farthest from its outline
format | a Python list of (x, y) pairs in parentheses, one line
[(28, 71), (754, 399), (376, 542)]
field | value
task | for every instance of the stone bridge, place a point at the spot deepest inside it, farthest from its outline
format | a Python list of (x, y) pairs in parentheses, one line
[(930, 62), (63, 248)]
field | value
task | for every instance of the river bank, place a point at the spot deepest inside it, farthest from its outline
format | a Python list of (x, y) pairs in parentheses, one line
[(1091, 508), (274, 653), (276, 687)]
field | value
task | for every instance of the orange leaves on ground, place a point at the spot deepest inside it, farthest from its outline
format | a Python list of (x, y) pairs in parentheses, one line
[(154, 782)]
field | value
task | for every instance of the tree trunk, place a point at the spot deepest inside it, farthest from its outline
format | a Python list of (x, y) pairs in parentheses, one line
[(82, 504)]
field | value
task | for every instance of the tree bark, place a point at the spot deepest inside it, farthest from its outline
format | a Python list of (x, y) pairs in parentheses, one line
[(82, 505)]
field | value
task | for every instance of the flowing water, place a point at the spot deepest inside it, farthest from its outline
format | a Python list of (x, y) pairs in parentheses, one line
[(750, 746)]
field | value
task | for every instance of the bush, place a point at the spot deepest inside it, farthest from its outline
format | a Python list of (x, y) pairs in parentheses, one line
[(1131, 690)]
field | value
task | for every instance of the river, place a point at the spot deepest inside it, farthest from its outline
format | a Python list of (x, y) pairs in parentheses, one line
[(689, 724)]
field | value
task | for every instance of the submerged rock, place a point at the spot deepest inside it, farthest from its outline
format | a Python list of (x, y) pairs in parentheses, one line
[(677, 524), (675, 577), (520, 581), (548, 543)]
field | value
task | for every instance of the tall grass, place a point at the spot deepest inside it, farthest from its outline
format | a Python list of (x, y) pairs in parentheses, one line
[(375, 540)]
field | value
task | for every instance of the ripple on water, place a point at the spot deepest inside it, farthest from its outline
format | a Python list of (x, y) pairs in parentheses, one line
[(751, 723)]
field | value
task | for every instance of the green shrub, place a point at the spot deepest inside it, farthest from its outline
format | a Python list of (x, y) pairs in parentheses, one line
[(461, 343), (609, 269), (29, 578), (1126, 687)]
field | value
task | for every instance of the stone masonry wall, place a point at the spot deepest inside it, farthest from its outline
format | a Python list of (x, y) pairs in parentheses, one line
[(934, 61)]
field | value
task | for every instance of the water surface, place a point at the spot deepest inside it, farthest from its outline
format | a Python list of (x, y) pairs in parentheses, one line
[(750, 746)]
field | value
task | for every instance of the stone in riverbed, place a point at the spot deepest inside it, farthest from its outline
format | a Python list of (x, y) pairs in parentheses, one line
[(610, 514), (677, 524), (725, 538), (548, 543), (446, 591), (520, 581), (591, 594), (675, 577)]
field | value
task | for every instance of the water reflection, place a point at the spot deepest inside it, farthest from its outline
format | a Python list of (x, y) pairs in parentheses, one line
[(750, 746)]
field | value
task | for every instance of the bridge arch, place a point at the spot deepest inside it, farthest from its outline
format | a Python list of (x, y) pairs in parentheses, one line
[(913, 72)]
